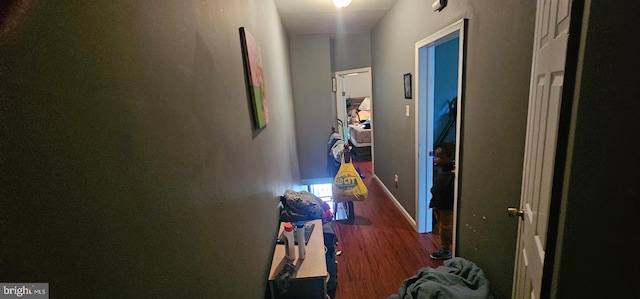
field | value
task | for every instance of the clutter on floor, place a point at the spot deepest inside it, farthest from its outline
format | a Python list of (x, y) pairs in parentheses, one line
[(456, 278)]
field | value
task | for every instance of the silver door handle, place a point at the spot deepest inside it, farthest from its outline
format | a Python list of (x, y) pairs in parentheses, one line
[(513, 212)]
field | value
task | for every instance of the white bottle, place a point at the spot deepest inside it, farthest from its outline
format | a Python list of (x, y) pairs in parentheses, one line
[(301, 242), (289, 242)]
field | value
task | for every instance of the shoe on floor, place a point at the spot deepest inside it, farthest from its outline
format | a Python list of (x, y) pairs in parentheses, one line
[(441, 254)]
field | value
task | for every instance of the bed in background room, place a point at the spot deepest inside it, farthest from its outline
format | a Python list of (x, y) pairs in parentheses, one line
[(359, 136), (359, 129)]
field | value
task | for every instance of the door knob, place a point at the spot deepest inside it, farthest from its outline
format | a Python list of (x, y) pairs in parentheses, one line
[(513, 212)]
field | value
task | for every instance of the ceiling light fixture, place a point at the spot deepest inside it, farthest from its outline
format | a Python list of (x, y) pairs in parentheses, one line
[(341, 3)]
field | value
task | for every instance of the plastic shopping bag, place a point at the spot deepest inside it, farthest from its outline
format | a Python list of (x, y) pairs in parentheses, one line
[(348, 185)]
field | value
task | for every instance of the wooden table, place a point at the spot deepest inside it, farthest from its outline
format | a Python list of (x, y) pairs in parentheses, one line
[(310, 278)]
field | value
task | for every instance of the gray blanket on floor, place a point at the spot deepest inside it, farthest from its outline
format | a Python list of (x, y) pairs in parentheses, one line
[(457, 278)]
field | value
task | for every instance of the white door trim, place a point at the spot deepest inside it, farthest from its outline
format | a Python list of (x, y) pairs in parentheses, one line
[(342, 114), (423, 135), (543, 120), (340, 98)]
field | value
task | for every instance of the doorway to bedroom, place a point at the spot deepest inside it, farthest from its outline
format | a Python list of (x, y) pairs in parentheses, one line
[(354, 107)]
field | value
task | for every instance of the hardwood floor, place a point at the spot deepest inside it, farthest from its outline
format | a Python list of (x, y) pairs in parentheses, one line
[(379, 247)]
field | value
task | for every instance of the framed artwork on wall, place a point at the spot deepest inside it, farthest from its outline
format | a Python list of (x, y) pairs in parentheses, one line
[(407, 86), (252, 58)]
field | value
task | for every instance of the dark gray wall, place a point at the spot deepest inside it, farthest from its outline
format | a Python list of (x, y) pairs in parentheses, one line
[(352, 51), (314, 103), (128, 162), (314, 61), (598, 208), (129, 166), (498, 67)]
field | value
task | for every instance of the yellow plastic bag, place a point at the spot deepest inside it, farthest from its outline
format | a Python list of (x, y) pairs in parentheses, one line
[(347, 184)]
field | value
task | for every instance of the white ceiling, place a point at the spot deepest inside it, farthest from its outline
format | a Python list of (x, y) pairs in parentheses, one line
[(321, 17)]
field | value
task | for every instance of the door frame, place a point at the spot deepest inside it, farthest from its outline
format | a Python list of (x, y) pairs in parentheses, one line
[(521, 279), (423, 111), (341, 100), (341, 112)]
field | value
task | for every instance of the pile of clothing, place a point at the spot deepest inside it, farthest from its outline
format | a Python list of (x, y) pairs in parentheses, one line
[(303, 205), (335, 148), (456, 278)]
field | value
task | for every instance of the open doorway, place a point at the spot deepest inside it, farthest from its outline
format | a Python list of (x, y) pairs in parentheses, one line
[(439, 94), (354, 106)]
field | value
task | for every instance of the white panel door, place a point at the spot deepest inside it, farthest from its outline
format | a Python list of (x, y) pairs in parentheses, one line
[(547, 77)]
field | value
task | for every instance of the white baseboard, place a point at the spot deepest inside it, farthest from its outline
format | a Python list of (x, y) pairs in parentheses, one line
[(398, 205)]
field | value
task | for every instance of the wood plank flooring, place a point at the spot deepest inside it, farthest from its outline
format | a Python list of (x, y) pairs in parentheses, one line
[(379, 247)]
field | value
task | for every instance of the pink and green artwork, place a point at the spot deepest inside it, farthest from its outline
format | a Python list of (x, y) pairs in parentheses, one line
[(253, 67)]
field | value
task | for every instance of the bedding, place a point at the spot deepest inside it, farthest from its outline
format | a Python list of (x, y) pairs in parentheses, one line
[(359, 136), (456, 278)]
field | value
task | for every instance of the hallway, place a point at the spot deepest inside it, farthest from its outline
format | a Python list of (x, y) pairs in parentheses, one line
[(379, 247)]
